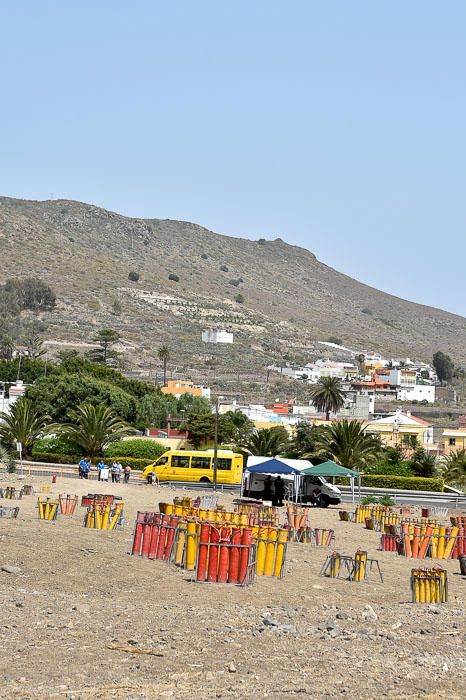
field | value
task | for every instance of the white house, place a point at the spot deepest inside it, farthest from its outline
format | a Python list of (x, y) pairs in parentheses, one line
[(216, 335), (15, 392), (418, 392)]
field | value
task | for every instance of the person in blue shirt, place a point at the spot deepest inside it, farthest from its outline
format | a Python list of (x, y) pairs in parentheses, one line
[(84, 466), (101, 465)]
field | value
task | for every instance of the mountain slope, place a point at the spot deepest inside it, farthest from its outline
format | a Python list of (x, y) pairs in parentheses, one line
[(290, 298)]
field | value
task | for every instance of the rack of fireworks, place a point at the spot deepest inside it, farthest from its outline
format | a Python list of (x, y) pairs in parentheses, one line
[(351, 568), (429, 585), (9, 511), (420, 540), (104, 516)]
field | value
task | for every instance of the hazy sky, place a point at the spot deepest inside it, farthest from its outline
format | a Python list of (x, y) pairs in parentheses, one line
[(337, 126)]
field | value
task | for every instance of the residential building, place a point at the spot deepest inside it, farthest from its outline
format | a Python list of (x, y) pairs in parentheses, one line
[(418, 392), (217, 335), (402, 429), (454, 439), (178, 387), (15, 392)]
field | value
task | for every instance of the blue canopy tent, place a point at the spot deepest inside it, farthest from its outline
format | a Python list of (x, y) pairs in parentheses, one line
[(274, 466)]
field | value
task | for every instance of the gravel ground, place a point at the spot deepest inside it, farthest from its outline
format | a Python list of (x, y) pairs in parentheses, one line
[(82, 619)]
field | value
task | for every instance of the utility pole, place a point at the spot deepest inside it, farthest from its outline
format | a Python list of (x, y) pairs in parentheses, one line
[(216, 444)]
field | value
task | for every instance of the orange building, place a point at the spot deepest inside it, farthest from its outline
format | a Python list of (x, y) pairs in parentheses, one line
[(179, 387)]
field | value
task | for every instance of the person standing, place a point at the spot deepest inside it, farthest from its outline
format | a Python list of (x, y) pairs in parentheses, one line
[(267, 491), (114, 472), (127, 473), (279, 490)]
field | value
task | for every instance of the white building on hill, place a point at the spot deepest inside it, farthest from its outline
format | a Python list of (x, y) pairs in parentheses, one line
[(216, 335)]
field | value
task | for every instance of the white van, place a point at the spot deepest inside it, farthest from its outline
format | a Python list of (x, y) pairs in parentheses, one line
[(254, 484)]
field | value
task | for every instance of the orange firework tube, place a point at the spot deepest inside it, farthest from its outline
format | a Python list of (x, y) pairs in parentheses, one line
[(461, 542), (213, 555), (280, 555), (425, 542), (154, 538), (224, 556), (406, 539), (162, 538), (450, 543), (203, 547), (170, 536), (417, 532), (270, 552), (233, 571), (244, 556)]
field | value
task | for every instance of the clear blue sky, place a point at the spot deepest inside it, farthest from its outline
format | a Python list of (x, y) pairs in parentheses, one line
[(337, 126)]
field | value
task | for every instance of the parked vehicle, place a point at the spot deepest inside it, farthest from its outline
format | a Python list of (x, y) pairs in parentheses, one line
[(330, 494), (197, 465)]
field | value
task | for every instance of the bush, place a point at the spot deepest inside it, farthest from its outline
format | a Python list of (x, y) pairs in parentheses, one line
[(234, 283), (239, 299), (224, 268), (410, 483), (56, 446), (133, 276), (204, 256), (139, 448), (173, 278), (387, 469)]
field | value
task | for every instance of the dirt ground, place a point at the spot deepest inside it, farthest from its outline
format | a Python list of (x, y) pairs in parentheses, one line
[(83, 619)]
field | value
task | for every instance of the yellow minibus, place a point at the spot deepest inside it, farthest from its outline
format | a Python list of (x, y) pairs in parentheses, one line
[(186, 465)]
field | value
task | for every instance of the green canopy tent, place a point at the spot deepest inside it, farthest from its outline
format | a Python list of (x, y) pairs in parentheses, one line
[(332, 469)]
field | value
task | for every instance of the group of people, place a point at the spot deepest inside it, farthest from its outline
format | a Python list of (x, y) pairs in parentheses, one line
[(274, 490), (115, 471)]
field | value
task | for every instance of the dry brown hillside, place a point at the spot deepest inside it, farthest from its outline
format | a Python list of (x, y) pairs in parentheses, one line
[(290, 298)]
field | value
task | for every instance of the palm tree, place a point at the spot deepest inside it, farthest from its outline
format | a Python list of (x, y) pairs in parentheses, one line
[(94, 429), (267, 442), (22, 424), (346, 443), (7, 347), (7, 458), (455, 469), (164, 356), (327, 396)]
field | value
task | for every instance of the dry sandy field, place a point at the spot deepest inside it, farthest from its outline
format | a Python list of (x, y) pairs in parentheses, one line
[(81, 618)]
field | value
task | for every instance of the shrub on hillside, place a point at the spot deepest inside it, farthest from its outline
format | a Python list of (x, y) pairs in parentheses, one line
[(173, 278), (139, 448), (239, 298), (133, 276), (224, 268)]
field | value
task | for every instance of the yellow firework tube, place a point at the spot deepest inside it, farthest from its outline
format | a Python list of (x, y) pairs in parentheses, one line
[(360, 559), (270, 552), (53, 509), (191, 545), (450, 542), (255, 532), (243, 519), (169, 509), (281, 540), (105, 518), (40, 505), (441, 543), (334, 564), (203, 514), (261, 550), (47, 509), (98, 516), (180, 543), (114, 520), (178, 509), (434, 543)]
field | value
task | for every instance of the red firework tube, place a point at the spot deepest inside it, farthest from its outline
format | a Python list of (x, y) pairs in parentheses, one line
[(162, 537), (170, 536), (233, 570), (146, 535), (246, 539), (224, 556), (213, 555), (154, 538), (202, 555), (461, 543), (137, 539)]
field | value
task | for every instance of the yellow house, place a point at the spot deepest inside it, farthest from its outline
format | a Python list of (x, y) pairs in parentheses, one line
[(403, 430), (454, 439), (178, 387)]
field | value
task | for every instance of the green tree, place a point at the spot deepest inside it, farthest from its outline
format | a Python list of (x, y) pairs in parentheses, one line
[(22, 424), (201, 429), (266, 442), (34, 345), (305, 440), (346, 443), (454, 469), (94, 429), (7, 347), (154, 409), (164, 355), (443, 366), (423, 463), (328, 396), (8, 459), (106, 339)]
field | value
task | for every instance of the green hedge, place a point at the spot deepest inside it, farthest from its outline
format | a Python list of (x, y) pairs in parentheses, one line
[(55, 446), (55, 458), (140, 448), (410, 483), (134, 462)]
